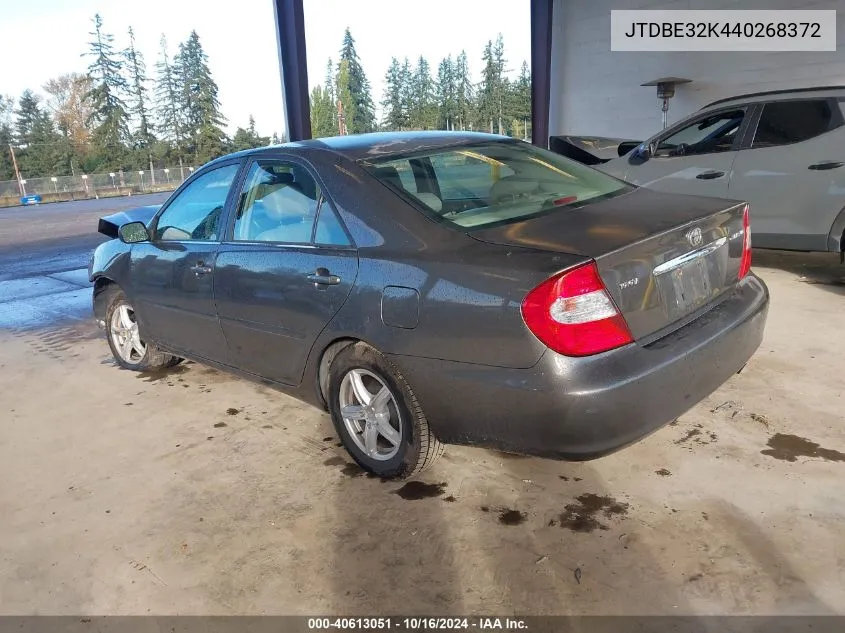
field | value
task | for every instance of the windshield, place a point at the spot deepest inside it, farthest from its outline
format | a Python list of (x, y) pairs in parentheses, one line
[(475, 186)]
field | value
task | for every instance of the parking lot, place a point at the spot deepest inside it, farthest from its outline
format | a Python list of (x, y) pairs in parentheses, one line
[(194, 492)]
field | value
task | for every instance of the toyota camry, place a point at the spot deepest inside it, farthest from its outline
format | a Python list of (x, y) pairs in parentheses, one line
[(436, 288)]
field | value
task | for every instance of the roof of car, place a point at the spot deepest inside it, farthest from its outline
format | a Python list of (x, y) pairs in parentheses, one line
[(789, 93), (380, 144)]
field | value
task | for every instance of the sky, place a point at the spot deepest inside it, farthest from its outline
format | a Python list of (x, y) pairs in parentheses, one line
[(240, 40)]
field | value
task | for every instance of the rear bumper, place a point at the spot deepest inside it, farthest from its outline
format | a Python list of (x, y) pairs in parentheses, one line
[(582, 408)]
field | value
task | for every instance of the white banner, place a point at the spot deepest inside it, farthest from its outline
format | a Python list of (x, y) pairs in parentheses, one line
[(645, 30)]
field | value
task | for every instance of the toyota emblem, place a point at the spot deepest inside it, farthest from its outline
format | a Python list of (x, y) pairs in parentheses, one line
[(694, 237)]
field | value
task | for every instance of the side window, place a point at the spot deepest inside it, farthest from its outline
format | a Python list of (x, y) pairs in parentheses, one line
[(707, 135), (195, 213), (793, 121), (278, 204), (329, 229)]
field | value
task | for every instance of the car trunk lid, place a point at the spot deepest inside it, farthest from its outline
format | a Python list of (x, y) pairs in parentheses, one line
[(663, 258)]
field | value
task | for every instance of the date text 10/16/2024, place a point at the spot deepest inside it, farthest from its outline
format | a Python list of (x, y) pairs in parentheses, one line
[(418, 624)]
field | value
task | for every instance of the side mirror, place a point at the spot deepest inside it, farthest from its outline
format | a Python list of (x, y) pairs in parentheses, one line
[(133, 232), (626, 147)]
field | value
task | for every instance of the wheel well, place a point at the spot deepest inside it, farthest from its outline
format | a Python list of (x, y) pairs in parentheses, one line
[(101, 285), (328, 355)]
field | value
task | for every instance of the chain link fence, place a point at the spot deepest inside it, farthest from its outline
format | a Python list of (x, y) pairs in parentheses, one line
[(81, 187)]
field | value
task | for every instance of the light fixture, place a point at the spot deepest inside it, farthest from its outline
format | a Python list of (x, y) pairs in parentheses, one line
[(665, 91)]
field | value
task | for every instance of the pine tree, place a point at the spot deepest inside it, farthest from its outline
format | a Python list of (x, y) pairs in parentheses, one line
[(143, 136), (108, 109), (7, 105), (248, 138), (406, 91), (40, 152), (446, 95), (521, 102), (395, 115), (359, 112), (423, 114), (199, 102), (464, 93), (167, 96), (322, 109)]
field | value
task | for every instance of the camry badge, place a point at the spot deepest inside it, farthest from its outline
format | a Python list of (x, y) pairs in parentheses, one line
[(694, 237)]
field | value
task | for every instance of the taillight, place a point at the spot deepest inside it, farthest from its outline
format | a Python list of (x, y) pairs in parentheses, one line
[(745, 262), (573, 314)]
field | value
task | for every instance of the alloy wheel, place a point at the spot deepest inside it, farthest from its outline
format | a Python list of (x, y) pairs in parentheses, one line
[(370, 414)]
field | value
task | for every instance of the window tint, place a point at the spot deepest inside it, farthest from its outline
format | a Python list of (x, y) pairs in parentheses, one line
[(714, 133), (278, 204), (195, 213), (496, 183), (794, 121), (329, 229)]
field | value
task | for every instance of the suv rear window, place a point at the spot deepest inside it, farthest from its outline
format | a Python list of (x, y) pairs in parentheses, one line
[(475, 186), (785, 122)]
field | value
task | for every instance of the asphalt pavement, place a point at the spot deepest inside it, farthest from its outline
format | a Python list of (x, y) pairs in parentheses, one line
[(44, 253)]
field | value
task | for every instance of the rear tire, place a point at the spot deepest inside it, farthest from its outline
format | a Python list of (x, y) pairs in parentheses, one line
[(377, 416), (125, 341)]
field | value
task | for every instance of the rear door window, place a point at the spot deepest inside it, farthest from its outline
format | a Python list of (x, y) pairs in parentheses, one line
[(786, 122)]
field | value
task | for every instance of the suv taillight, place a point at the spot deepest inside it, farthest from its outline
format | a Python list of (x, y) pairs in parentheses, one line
[(573, 314), (745, 262)]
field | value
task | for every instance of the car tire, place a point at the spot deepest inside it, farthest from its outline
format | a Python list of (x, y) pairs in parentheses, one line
[(130, 351), (401, 450)]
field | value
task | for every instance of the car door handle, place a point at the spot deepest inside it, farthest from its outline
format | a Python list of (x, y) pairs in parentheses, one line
[(710, 175), (200, 269), (322, 277), (827, 164)]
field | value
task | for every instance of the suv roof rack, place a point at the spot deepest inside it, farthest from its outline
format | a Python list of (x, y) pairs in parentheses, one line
[(773, 92)]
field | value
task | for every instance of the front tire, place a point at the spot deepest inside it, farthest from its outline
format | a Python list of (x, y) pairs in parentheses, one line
[(129, 349), (377, 416)]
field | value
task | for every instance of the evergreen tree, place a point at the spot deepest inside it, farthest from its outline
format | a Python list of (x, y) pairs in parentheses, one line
[(199, 102), (464, 93), (359, 112), (395, 115), (521, 101), (108, 109), (423, 114), (167, 98), (248, 138), (7, 105), (143, 136), (406, 90), (446, 95), (40, 153), (322, 109)]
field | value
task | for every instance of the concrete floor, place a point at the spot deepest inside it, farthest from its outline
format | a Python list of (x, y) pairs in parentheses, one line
[(193, 492)]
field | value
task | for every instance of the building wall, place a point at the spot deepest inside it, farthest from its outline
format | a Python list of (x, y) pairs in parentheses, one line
[(597, 92)]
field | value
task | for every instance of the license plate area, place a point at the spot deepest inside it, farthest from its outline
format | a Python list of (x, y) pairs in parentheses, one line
[(687, 287)]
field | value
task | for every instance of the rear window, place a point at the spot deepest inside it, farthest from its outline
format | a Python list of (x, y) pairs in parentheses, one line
[(475, 186)]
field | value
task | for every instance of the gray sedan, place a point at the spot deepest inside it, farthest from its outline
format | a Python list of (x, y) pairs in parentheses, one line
[(430, 288)]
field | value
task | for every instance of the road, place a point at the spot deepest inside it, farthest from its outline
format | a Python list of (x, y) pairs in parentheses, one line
[(44, 254), (194, 492)]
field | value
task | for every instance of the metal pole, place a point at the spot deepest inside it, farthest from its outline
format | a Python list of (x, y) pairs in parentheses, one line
[(665, 110), (181, 169), (152, 173), (21, 186)]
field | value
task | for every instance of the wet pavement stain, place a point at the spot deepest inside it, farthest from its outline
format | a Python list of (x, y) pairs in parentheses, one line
[(232, 411), (690, 434), (415, 490), (485, 508), (334, 461), (267, 426), (220, 425), (511, 517), (790, 447), (583, 516), (162, 374), (352, 469), (663, 472), (450, 499), (328, 439)]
